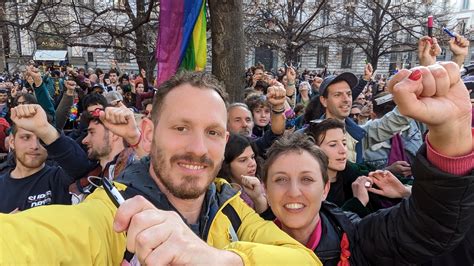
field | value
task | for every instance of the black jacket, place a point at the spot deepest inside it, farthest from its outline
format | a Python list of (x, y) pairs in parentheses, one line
[(434, 224), (433, 221)]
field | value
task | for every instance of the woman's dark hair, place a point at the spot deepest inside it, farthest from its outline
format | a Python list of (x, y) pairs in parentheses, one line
[(234, 148), (28, 98), (317, 131), (298, 143), (314, 110), (299, 107), (99, 71)]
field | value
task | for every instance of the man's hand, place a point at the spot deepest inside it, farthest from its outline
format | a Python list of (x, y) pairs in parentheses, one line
[(71, 71), (359, 189), (388, 185), (291, 75), (435, 95), (368, 71), (459, 46), (162, 238), (400, 168), (428, 50), (70, 87), (33, 72), (121, 121), (33, 118), (276, 95), (14, 91)]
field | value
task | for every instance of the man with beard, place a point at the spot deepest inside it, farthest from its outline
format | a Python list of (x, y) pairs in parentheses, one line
[(199, 219), (106, 148), (102, 145), (336, 95), (32, 183)]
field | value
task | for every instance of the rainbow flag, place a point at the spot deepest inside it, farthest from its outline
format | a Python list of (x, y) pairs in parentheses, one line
[(182, 41)]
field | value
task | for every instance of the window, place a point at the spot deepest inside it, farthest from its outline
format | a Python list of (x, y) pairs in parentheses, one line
[(122, 56), (349, 18), (465, 4), (90, 57), (325, 16), (323, 52), (346, 61)]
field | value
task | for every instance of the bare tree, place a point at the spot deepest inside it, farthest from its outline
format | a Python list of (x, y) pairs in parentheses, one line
[(287, 26), (382, 27), (121, 25)]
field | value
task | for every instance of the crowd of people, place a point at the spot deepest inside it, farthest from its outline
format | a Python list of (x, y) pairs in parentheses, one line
[(309, 169)]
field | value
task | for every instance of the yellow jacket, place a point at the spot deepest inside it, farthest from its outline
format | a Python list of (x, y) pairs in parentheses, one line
[(83, 235)]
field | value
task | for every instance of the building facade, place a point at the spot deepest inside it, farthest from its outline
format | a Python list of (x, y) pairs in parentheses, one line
[(25, 45), (339, 56)]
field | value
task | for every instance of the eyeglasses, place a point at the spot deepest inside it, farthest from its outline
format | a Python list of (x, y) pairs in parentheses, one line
[(23, 102)]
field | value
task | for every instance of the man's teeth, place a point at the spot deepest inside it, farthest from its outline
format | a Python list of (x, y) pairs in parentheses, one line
[(192, 167), (294, 206)]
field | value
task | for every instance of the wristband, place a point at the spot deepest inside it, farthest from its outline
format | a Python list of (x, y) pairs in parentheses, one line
[(289, 84), (279, 111), (138, 142)]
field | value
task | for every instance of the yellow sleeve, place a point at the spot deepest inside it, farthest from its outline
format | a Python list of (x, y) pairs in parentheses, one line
[(263, 243), (62, 235)]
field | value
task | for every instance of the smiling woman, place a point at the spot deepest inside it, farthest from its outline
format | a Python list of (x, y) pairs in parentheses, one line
[(347, 180), (296, 182)]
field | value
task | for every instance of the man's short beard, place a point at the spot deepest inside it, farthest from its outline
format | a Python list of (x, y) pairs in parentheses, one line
[(29, 163), (105, 150), (188, 189)]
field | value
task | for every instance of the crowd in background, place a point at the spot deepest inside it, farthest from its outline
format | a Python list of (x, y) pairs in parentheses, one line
[(62, 130)]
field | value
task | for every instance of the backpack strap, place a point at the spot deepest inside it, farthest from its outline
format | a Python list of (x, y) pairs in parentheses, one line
[(234, 218)]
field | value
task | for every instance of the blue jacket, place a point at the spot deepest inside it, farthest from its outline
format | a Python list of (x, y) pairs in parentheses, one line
[(358, 134)]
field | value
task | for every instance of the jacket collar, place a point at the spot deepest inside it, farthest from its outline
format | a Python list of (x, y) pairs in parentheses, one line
[(354, 129), (136, 176)]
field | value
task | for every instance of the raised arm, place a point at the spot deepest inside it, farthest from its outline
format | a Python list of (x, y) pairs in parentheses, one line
[(437, 215), (67, 100), (459, 46), (62, 149)]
